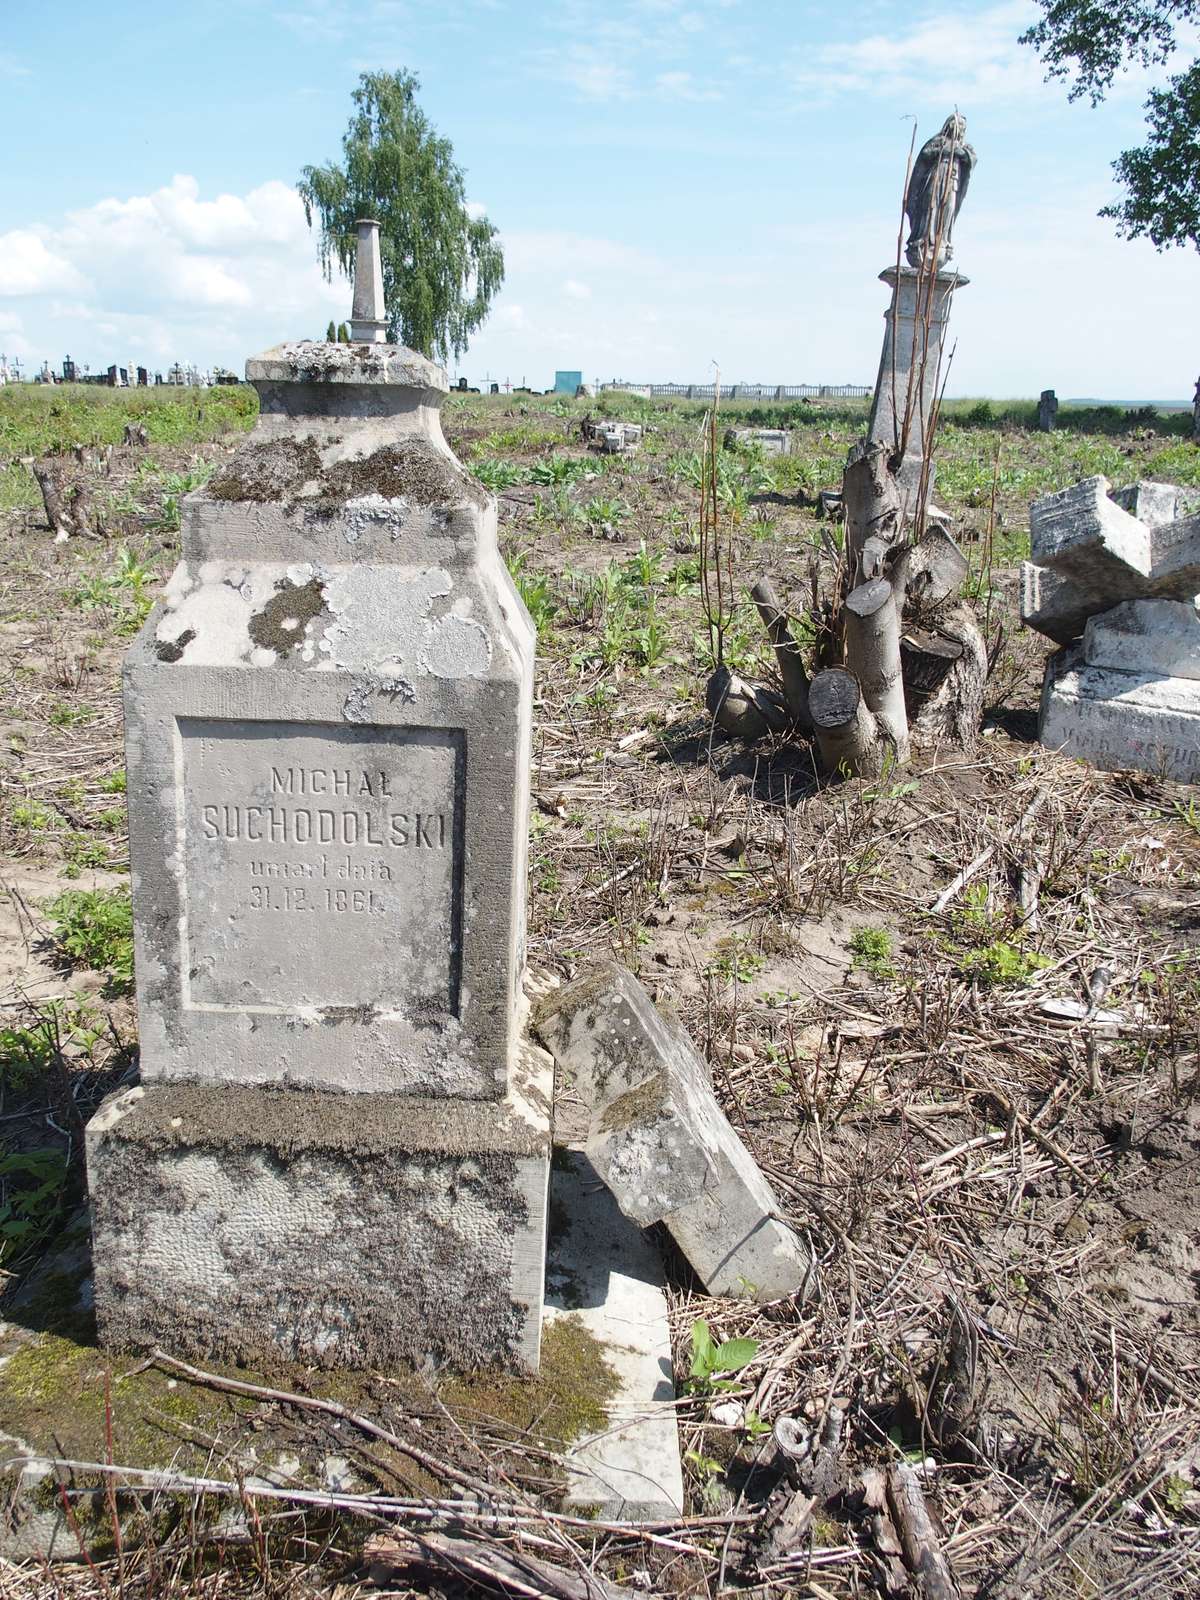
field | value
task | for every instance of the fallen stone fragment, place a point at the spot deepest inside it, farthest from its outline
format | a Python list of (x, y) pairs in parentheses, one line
[(660, 1141), (1156, 504), (1147, 636), (1085, 535)]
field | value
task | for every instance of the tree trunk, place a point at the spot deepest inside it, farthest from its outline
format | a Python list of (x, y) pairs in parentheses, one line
[(945, 673), (929, 572), (744, 709), (787, 652), (872, 627), (871, 499), (49, 482), (846, 732)]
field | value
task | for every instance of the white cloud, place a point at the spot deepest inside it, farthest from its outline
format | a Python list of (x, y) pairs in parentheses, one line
[(951, 55), (594, 76), (574, 290), (682, 86), (476, 209), (172, 274), (28, 266)]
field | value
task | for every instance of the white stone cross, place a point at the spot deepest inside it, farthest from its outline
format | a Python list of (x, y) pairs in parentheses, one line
[(368, 319)]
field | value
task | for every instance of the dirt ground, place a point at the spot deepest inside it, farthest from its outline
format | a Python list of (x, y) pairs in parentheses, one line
[(1001, 1199)]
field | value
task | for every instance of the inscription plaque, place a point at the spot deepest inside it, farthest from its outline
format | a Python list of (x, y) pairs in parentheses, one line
[(322, 866)]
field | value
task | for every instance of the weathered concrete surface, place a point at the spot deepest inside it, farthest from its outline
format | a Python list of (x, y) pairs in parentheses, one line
[(1156, 504), (771, 441), (1116, 720), (341, 1230), (1085, 535), (604, 1272), (1146, 636), (661, 1142), (327, 732), (909, 365)]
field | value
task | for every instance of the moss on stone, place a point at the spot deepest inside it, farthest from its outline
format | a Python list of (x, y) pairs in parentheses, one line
[(272, 469), (643, 1103), (280, 625), (565, 1400)]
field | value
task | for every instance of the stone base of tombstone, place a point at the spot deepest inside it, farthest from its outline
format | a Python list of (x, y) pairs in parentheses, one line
[(910, 366), (241, 1224), (1118, 719)]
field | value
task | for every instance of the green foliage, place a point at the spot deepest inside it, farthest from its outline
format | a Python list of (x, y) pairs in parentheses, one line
[(1001, 962), (710, 1360), (441, 266), (535, 590), (94, 927), (871, 949), (124, 591), (32, 1188), (494, 474), (1093, 41), (36, 418), (331, 332), (559, 469), (343, 333), (175, 485)]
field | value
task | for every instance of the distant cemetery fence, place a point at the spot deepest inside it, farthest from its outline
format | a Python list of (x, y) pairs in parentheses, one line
[(750, 391)]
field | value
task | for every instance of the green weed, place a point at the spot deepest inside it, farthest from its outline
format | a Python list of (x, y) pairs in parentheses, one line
[(871, 949), (94, 927), (710, 1360)]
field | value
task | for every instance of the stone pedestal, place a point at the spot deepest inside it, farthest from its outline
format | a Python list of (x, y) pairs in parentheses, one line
[(911, 363), (327, 727), (1129, 694)]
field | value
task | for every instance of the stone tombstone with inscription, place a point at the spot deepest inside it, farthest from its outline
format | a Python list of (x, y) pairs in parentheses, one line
[(339, 1149)]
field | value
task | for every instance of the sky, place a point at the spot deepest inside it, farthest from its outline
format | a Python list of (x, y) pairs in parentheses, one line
[(678, 185)]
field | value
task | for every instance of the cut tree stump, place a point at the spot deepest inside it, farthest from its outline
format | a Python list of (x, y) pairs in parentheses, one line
[(742, 709), (945, 672), (872, 626), (871, 498), (787, 651), (846, 731)]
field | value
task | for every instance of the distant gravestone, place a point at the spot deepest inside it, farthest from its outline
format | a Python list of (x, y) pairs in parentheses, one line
[(1047, 411), (339, 1148)]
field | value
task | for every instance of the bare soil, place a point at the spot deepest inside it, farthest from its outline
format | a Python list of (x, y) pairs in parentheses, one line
[(1002, 1202)]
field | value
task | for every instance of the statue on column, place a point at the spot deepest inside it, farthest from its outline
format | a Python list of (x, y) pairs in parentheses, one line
[(937, 188)]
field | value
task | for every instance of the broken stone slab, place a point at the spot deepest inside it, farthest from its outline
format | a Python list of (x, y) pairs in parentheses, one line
[(1156, 504), (604, 1275), (1056, 606), (1146, 636), (1175, 572), (771, 441), (1085, 535), (661, 1142), (1117, 720)]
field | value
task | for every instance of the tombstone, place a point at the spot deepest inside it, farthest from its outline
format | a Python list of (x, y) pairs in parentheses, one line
[(493, 388), (462, 386), (68, 370), (114, 381), (143, 378), (771, 441), (1113, 580), (923, 286), (1047, 411), (339, 1148)]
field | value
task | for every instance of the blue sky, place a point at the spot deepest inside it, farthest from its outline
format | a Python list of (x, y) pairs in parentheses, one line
[(677, 182)]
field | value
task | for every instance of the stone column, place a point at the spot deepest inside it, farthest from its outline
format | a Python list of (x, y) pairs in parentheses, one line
[(368, 320), (339, 1149), (910, 350)]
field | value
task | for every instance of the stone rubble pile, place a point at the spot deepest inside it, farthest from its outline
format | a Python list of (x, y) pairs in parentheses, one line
[(1113, 580)]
